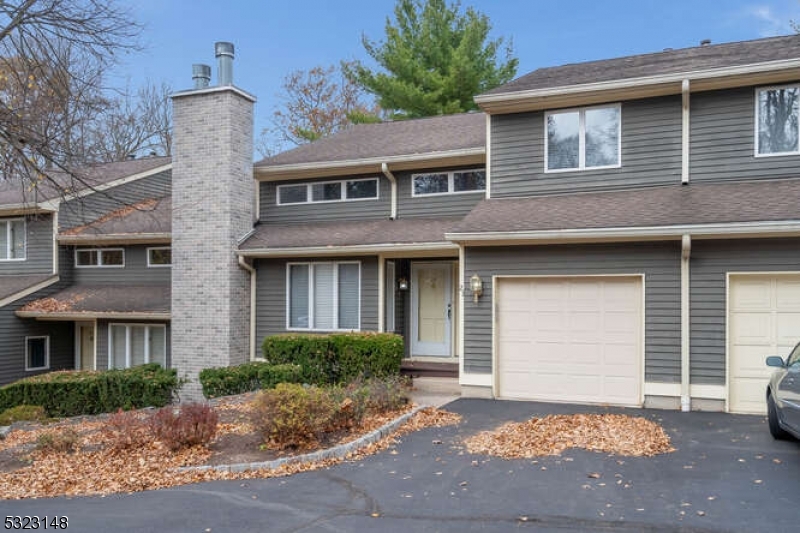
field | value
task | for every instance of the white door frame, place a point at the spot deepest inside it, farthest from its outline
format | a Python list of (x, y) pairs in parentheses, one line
[(79, 343), (428, 349)]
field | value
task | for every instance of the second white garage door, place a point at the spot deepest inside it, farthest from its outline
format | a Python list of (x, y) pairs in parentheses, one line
[(570, 339)]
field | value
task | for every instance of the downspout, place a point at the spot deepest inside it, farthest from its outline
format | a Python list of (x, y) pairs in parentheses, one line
[(686, 400), (685, 131), (393, 181), (243, 263)]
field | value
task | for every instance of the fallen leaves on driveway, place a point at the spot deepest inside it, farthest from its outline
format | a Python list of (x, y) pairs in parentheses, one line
[(551, 435)]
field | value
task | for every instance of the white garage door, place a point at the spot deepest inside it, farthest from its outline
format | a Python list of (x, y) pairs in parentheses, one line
[(764, 320), (570, 339)]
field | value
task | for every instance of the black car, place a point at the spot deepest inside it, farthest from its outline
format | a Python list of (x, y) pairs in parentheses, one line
[(783, 396)]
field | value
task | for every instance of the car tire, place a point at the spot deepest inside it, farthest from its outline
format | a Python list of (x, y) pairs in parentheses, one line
[(775, 428)]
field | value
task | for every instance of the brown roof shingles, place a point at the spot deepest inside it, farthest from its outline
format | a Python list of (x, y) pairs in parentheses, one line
[(352, 233), (89, 300), (659, 63), (696, 203), (445, 133)]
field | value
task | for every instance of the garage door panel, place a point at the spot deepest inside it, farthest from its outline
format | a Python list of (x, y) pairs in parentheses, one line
[(764, 320), (584, 340)]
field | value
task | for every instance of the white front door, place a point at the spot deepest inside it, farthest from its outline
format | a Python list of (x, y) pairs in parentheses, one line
[(86, 346), (431, 309)]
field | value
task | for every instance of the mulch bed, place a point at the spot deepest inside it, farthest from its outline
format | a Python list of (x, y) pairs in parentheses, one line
[(551, 435), (97, 469)]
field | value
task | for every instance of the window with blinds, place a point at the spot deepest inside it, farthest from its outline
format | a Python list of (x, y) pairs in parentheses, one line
[(136, 344), (324, 296)]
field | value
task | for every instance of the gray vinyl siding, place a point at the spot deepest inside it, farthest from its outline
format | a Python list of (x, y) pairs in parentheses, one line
[(660, 263), (13, 331), (710, 262), (374, 209), (432, 206), (651, 152), (88, 208), (271, 294), (723, 139), (135, 272), (102, 342), (38, 247)]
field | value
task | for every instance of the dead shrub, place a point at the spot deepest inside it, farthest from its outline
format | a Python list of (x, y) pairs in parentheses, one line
[(125, 430), (192, 424), (64, 441)]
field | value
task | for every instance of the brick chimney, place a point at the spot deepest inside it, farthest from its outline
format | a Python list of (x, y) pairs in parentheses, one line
[(212, 208)]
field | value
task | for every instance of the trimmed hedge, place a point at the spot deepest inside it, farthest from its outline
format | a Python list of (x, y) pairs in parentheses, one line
[(338, 357), (227, 380), (72, 393)]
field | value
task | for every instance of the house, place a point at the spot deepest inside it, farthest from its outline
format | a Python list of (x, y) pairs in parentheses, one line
[(616, 232)]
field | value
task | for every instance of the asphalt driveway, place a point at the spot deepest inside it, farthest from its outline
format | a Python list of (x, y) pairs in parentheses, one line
[(726, 475)]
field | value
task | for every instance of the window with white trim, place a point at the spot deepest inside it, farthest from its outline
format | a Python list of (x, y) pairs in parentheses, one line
[(136, 344), (12, 239), (329, 191), (778, 120), (37, 353), (459, 181), (579, 139), (99, 257), (159, 257), (323, 296)]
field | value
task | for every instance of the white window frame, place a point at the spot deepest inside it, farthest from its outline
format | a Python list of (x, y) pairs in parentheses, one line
[(342, 183), (311, 265), (46, 366), (99, 257), (758, 91), (582, 138), (450, 183), (152, 265), (128, 327), (9, 245)]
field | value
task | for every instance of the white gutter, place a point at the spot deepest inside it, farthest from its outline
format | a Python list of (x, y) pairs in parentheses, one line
[(488, 168), (363, 249), (27, 292), (393, 181), (685, 130), (717, 230), (55, 243), (243, 263), (119, 238), (686, 250), (81, 316), (639, 82)]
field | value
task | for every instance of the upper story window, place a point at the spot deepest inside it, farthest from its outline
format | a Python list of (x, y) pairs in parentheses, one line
[(12, 239), (329, 191), (579, 139), (159, 257), (100, 257), (777, 118), (448, 182)]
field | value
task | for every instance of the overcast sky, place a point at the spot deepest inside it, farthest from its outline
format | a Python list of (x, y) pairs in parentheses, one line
[(274, 37)]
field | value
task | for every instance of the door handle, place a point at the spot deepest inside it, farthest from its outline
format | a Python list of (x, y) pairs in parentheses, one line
[(449, 311)]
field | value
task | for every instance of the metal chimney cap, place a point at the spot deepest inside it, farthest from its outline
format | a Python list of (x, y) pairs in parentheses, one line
[(201, 74), (223, 48), (705, 42)]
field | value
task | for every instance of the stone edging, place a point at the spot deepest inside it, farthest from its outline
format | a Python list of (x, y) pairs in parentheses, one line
[(337, 452)]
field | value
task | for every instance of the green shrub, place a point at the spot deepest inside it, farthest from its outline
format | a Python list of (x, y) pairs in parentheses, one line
[(228, 380), (19, 413), (292, 415), (71, 393), (190, 425), (338, 357), (63, 441)]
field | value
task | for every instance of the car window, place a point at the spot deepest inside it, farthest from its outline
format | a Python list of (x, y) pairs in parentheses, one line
[(794, 357)]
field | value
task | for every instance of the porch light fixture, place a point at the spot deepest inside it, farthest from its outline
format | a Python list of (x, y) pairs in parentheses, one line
[(476, 284), (402, 284)]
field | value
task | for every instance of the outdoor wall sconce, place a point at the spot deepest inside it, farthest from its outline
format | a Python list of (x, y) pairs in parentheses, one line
[(476, 284), (402, 284)]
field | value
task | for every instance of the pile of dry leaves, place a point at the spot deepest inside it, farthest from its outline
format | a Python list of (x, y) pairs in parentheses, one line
[(551, 435), (95, 468)]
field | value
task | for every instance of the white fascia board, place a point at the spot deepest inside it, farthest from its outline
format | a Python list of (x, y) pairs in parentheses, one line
[(364, 249), (83, 316), (697, 231), (27, 292), (370, 164), (27, 209), (117, 238)]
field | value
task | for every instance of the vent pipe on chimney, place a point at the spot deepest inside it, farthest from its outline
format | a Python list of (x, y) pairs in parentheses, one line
[(705, 42), (201, 74), (224, 53)]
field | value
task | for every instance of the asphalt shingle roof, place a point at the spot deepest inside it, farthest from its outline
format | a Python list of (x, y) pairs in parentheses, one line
[(12, 284), (90, 300), (149, 216)]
